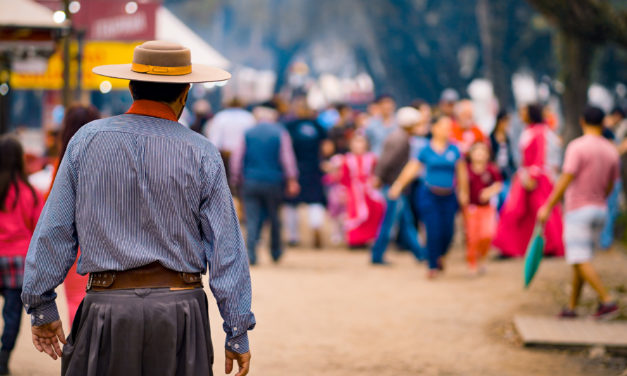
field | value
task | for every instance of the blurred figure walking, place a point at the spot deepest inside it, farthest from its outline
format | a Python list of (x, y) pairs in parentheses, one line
[(379, 127), (227, 127), (445, 172), (364, 203), (502, 153), (588, 176), (264, 166), (20, 207), (485, 183), (395, 154), (307, 138), (465, 132), (616, 124), (531, 186)]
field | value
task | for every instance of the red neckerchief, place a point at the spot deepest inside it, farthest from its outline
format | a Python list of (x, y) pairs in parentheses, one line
[(152, 108)]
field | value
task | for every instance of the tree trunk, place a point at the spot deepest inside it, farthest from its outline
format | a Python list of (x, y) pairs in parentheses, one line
[(576, 56), (492, 19)]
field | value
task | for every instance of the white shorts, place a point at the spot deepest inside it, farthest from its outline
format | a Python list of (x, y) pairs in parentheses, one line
[(582, 231)]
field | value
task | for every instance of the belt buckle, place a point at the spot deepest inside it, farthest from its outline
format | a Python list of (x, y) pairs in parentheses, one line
[(89, 279)]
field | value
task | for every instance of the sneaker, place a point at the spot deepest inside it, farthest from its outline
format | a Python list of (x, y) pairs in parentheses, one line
[(607, 311), (567, 314)]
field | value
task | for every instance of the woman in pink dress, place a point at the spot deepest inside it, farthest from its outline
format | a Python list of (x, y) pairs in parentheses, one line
[(364, 204), (531, 186)]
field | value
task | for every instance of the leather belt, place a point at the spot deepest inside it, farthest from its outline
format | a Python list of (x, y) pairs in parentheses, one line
[(153, 275)]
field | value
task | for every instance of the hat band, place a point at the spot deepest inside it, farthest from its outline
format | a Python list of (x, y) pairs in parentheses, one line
[(164, 71)]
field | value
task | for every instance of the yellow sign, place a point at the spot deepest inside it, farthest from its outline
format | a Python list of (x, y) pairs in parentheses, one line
[(94, 53)]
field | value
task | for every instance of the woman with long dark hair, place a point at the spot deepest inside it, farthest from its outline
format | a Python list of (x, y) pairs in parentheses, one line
[(502, 153), (75, 117), (20, 206)]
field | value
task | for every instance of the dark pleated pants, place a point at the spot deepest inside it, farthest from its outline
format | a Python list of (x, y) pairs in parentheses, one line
[(140, 332)]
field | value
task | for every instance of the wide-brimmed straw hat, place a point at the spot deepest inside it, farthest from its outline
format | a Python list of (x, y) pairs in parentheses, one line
[(159, 61)]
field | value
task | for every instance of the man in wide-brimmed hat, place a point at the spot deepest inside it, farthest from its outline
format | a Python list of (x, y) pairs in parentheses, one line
[(146, 199)]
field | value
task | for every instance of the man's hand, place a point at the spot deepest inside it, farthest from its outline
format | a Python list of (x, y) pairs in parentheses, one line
[(376, 182), (394, 192), (543, 214), (485, 196), (463, 199), (46, 338), (243, 361), (293, 188), (529, 183)]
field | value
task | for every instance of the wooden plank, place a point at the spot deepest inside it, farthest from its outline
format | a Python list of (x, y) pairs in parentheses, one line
[(549, 331)]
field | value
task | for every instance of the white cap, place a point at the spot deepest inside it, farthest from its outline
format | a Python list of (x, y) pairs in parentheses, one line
[(408, 117), (449, 95)]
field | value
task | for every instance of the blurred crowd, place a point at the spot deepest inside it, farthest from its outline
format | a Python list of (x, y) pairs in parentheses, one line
[(374, 175), (381, 174)]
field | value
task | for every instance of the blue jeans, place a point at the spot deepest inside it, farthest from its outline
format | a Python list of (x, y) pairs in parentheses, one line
[(397, 212), (12, 316), (262, 201), (607, 235), (438, 215)]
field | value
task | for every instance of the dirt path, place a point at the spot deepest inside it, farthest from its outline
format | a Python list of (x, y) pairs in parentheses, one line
[(330, 313)]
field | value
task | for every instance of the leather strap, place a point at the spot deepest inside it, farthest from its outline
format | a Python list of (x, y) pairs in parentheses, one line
[(153, 275), (162, 71)]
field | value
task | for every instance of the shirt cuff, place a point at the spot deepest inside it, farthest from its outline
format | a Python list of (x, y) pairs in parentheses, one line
[(238, 344), (44, 314)]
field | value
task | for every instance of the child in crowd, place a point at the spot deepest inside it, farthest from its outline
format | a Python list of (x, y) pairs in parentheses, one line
[(364, 204), (20, 207), (591, 167), (485, 183)]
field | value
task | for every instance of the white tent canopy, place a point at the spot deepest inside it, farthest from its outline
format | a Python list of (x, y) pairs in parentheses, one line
[(170, 28), (26, 13)]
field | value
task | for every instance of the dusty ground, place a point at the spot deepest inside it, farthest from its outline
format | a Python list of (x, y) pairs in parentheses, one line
[(330, 313)]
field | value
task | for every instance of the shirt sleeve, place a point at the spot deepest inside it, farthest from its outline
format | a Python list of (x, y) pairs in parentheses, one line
[(53, 247), (229, 275), (571, 161), (288, 159)]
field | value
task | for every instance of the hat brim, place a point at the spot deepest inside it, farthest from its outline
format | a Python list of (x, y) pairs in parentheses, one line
[(200, 73)]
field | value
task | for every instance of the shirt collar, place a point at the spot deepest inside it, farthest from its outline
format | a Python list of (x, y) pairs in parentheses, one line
[(152, 108)]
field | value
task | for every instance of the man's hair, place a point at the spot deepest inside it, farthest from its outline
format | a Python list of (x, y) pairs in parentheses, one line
[(156, 91), (535, 113), (383, 97), (593, 115), (618, 111)]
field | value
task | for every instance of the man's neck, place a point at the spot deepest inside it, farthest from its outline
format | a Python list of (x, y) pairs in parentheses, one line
[(592, 130)]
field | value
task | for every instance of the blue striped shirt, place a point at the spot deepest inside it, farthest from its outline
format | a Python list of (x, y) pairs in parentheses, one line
[(131, 190)]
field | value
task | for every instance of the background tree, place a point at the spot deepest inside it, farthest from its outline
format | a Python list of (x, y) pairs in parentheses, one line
[(411, 48), (583, 27)]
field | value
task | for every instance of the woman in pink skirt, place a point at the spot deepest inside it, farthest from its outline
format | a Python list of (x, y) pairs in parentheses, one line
[(531, 186)]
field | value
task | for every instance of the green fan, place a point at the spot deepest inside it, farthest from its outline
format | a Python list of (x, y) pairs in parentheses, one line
[(533, 257)]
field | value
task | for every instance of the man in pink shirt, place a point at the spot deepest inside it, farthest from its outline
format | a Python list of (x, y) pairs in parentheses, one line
[(591, 167)]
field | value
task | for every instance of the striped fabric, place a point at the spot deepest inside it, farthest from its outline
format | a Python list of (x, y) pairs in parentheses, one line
[(135, 189)]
